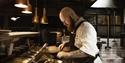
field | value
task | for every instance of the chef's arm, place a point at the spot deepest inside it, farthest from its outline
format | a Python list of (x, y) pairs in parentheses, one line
[(77, 54)]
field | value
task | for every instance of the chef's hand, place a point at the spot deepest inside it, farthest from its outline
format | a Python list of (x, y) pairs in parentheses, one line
[(61, 46), (63, 54)]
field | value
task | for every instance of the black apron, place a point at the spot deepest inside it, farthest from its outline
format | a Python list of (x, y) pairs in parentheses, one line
[(89, 59)]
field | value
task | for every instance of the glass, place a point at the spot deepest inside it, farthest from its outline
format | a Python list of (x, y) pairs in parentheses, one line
[(65, 39)]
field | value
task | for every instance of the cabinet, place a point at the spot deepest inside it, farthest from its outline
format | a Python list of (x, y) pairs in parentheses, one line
[(106, 23)]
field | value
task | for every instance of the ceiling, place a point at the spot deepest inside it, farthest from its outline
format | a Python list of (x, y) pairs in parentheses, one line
[(7, 6), (8, 10)]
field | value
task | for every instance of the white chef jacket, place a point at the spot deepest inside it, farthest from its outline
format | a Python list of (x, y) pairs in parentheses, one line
[(86, 39)]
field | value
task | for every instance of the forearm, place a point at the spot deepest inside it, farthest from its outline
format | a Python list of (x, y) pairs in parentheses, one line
[(77, 54)]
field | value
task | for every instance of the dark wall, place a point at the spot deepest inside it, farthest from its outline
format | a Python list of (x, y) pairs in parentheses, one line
[(24, 23), (1, 22)]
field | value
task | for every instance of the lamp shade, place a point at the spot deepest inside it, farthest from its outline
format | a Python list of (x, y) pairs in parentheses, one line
[(36, 18), (27, 10), (44, 18), (104, 4), (21, 4)]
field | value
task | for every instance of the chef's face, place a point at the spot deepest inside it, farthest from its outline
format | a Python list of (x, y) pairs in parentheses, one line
[(66, 20)]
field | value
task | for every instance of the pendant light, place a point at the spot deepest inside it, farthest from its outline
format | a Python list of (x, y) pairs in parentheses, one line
[(28, 10), (105, 4), (36, 18), (44, 18), (21, 4)]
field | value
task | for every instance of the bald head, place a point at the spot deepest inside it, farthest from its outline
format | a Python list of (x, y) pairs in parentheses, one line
[(68, 12), (68, 17)]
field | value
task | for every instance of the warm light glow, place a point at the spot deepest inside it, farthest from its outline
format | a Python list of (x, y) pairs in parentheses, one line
[(22, 33), (36, 18), (20, 5), (14, 18), (28, 10), (104, 4), (26, 60), (59, 61), (44, 18)]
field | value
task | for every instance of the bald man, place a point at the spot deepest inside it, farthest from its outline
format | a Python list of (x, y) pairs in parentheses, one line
[(85, 39)]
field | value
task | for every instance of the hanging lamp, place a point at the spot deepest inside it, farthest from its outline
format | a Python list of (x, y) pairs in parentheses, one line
[(104, 4), (36, 18), (21, 4), (28, 10), (44, 18)]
